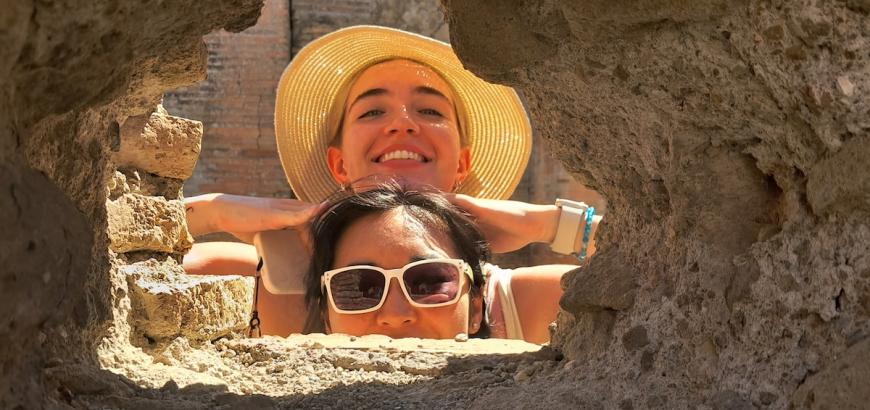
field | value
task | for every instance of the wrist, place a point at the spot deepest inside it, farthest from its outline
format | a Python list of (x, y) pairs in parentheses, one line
[(548, 220), (199, 212), (573, 228)]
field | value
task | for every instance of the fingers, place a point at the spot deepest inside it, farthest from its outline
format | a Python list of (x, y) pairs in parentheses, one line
[(464, 201)]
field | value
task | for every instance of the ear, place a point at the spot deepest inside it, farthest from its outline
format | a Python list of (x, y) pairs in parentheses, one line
[(335, 163), (475, 314), (464, 164)]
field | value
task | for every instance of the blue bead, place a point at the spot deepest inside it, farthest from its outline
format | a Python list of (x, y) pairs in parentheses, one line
[(587, 229)]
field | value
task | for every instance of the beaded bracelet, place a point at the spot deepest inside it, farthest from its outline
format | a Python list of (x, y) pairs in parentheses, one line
[(587, 229)]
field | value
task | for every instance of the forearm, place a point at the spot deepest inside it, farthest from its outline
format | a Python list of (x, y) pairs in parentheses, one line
[(285, 260), (221, 258), (201, 214), (546, 218)]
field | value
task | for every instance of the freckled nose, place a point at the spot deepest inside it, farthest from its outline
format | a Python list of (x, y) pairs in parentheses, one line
[(396, 310)]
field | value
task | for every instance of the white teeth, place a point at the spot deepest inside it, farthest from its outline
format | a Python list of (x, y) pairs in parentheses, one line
[(401, 154)]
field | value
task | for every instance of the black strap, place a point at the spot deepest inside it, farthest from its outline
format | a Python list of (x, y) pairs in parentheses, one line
[(254, 323)]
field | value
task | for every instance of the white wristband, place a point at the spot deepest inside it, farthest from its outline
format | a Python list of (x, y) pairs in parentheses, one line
[(572, 215)]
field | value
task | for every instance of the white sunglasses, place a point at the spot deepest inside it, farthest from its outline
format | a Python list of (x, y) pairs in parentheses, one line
[(427, 283)]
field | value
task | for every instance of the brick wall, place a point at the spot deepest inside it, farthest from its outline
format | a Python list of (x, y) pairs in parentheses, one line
[(236, 103)]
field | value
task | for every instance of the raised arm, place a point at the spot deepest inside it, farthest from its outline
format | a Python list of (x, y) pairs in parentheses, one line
[(510, 225), (243, 216)]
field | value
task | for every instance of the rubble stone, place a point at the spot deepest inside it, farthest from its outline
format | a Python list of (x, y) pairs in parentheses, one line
[(160, 144), (841, 385), (167, 303), (143, 223), (607, 282), (841, 182)]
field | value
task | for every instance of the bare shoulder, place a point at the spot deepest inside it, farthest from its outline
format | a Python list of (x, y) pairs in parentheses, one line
[(537, 290), (542, 274)]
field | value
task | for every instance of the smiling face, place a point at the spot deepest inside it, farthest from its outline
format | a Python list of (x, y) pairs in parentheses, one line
[(391, 240), (400, 121)]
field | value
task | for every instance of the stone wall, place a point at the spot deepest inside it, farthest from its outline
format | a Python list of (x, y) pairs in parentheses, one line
[(91, 194), (236, 104), (730, 140)]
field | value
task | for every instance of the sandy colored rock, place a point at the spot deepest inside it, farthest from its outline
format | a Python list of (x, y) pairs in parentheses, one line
[(843, 384), (167, 303), (132, 181), (842, 181), (606, 283), (142, 223), (729, 142), (160, 143), (727, 137), (41, 267), (71, 74), (322, 371)]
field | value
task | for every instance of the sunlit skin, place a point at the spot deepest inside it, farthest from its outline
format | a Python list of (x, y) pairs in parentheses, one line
[(400, 105), (391, 240)]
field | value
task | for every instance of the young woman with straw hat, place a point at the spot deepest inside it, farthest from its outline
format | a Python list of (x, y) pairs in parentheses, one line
[(366, 101)]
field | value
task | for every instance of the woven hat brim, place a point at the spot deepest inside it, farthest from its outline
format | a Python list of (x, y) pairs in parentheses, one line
[(496, 124)]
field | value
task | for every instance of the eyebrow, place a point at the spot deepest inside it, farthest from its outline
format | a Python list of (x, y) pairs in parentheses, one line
[(431, 91), (369, 93), (373, 92), (412, 259)]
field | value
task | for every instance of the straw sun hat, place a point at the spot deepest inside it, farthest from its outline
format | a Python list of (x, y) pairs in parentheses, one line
[(314, 86)]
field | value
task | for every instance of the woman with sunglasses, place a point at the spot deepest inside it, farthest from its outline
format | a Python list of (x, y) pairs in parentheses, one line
[(367, 101), (397, 262)]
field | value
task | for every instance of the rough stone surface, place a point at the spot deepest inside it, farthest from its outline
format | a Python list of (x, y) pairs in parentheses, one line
[(729, 139), (143, 223), (70, 74), (721, 133), (606, 283), (167, 303), (159, 144), (45, 251), (841, 181), (131, 181), (842, 384), (316, 371)]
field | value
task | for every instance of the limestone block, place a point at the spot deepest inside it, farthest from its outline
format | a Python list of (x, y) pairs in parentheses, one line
[(841, 181), (160, 144), (132, 181), (605, 283), (168, 303), (842, 385), (143, 223)]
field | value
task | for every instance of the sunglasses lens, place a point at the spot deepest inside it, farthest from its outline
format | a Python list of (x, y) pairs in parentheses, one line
[(432, 283), (357, 289)]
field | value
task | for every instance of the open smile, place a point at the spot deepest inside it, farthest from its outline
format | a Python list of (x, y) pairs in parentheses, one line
[(401, 155)]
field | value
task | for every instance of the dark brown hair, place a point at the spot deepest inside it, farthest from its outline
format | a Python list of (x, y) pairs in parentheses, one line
[(428, 207)]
